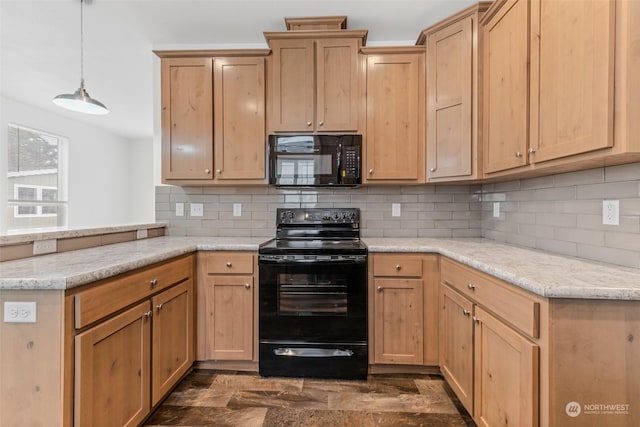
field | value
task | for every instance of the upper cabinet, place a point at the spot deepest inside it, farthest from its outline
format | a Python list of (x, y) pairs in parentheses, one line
[(557, 86), (213, 117), (314, 80), (453, 96), (395, 115)]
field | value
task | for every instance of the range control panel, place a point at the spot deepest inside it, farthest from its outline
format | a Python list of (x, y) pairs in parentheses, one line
[(318, 216)]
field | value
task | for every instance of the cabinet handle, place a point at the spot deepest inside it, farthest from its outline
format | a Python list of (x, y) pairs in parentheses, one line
[(148, 314), (370, 171), (379, 288), (475, 319), (320, 124), (247, 286), (218, 170), (531, 150), (471, 286), (466, 312), (153, 283), (432, 170), (309, 124), (398, 267), (518, 154), (207, 171), (159, 306), (229, 264)]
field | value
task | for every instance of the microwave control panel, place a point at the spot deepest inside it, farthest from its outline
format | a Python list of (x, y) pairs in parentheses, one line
[(351, 161)]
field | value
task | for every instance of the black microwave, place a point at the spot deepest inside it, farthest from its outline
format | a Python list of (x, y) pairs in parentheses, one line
[(315, 160)]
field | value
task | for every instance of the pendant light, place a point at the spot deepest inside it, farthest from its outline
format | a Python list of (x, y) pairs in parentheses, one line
[(80, 101)]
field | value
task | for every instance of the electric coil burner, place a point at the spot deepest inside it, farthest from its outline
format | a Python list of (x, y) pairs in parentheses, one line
[(313, 296)]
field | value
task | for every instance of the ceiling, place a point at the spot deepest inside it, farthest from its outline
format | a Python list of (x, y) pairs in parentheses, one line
[(40, 43)]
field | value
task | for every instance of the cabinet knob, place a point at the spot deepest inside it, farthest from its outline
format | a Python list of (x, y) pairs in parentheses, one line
[(475, 319), (159, 307), (153, 283), (320, 123), (471, 286), (432, 170), (207, 171), (247, 286), (379, 288), (466, 313), (531, 150), (218, 170), (229, 264), (370, 171), (309, 124), (518, 154), (398, 267), (148, 314)]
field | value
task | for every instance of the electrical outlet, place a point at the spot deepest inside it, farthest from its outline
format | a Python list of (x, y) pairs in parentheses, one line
[(142, 234), (237, 209), (395, 209), (197, 209), (44, 246), (179, 209), (611, 212), (496, 209), (19, 312)]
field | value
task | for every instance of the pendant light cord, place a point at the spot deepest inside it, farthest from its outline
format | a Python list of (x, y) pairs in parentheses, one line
[(81, 44)]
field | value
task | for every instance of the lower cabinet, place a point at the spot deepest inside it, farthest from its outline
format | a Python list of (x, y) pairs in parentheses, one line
[(126, 362), (226, 321), (403, 316), (488, 349)]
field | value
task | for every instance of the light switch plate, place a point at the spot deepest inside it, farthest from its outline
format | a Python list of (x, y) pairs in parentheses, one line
[(237, 209), (179, 209), (396, 210), (496, 209), (197, 209)]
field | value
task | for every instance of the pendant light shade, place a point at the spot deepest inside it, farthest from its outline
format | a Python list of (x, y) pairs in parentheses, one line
[(80, 101)]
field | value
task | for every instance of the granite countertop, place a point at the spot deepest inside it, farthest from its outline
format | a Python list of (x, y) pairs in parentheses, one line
[(547, 275)]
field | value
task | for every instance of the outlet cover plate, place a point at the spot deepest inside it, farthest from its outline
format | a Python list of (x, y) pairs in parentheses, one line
[(197, 209), (611, 212), (20, 312), (179, 209), (396, 209), (237, 209), (496, 209)]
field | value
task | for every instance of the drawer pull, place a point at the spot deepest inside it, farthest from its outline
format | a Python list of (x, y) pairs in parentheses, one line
[(247, 286), (159, 307), (148, 314), (229, 264), (370, 171), (475, 319), (518, 154), (309, 124), (379, 288), (398, 267), (207, 171), (471, 286), (153, 283), (466, 313)]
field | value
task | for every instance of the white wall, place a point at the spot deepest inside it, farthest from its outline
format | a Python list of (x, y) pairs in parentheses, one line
[(110, 178)]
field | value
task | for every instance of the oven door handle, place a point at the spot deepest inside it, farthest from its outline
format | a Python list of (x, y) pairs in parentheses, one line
[(355, 259), (312, 352)]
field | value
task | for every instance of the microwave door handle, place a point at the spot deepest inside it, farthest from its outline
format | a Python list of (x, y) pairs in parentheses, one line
[(339, 163)]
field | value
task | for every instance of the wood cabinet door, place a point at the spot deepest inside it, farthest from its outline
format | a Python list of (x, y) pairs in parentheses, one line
[(229, 317), (239, 118), (398, 321), (449, 97), (187, 118), (395, 118), (506, 375), (173, 333), (292, 85), (337, 102), (572, 77), (506, 87), (456, 344), (112, 367)]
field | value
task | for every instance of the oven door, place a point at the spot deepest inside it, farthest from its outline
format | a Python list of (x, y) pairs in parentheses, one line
[(313, 298)]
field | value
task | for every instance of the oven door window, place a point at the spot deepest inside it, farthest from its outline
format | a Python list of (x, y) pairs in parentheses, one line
[(308, 294)]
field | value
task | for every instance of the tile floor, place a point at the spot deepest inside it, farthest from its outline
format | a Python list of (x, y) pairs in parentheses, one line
[(216, 398)]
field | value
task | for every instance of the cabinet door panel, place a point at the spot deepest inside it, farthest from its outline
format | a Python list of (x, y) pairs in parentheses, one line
[(572, 61), (398, 321), (506, 375), (187, 119), (172, 338), (229, 317), (292, 80), (449, 90), (506, 112), (395, 117), (337, 85), (112, 371), (239, 118), (456, 344)]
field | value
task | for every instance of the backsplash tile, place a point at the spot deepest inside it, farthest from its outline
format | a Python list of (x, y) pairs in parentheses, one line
[(563, 214)]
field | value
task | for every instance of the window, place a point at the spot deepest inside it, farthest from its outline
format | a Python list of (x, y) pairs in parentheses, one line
[(36, 179)]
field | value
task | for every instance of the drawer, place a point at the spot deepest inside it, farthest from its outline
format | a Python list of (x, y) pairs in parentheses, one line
[(516, 308), (115, 294), (229, 262), (397, 265)]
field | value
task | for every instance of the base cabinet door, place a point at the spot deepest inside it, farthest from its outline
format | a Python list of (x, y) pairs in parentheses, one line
[(456, 344), (506, 374), (229, 317), (112, 370), (172, 340)]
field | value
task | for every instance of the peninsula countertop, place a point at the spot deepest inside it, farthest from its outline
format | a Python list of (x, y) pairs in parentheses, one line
[(547, 275)]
